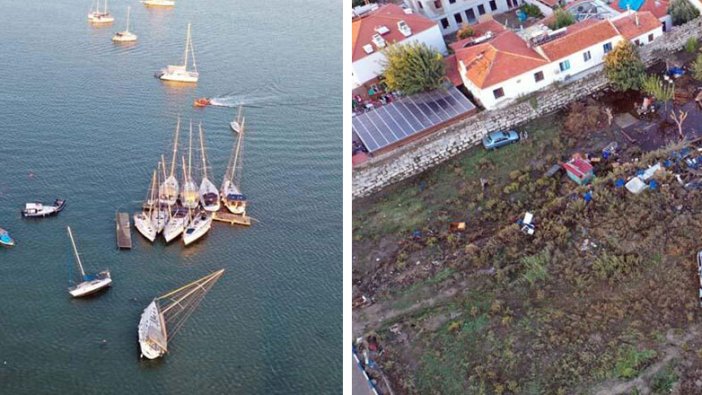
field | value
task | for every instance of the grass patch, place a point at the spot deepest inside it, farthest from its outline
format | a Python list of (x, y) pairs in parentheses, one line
[(536, 267), (663, 381), (630, 361)]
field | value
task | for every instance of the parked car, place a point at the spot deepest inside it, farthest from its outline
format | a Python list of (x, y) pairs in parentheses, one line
[(498, 139)]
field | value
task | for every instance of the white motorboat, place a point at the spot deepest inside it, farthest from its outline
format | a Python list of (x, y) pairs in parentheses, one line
[(126, 35), (90, 283), (180, 73), (198, 227), (38, 209), (166, 314), (100, 17)]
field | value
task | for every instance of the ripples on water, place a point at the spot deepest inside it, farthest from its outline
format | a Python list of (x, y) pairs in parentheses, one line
[(84, 119)]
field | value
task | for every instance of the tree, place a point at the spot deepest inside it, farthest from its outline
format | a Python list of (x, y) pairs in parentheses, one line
[(413, 68), (682, 12), (563, 18), (465, 32), (697, 68), (623, 66), (679, 119)]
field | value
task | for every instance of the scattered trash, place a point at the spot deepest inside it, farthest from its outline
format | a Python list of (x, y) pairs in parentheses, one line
[(619, 183), (588, 196), (361, 301), (457, 226), (417, 234), (648, 173), (552, 170), (653, 185), (526, 223), (635, 185)]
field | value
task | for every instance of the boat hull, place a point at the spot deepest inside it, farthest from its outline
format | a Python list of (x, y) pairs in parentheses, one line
[(149, 331), (124, 37), (158, 3), (197, 228), (189, 79), (174, 228), (92, 286), (38, 209), (145, 227)]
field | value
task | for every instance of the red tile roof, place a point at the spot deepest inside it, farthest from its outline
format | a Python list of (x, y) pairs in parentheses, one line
[(659, 8), (363, 29), (578, 37), (503, 57), (479, 29), (628, 27), (452, 72)]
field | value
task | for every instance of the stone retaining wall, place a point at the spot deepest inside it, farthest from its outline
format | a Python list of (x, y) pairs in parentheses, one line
[(418, 156)]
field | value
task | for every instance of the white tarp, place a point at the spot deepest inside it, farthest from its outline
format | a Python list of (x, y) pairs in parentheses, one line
[(635, 185)]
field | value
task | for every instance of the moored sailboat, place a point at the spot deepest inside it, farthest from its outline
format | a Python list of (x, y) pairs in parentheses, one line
[(166, 314), (158, 3), (209, 196), (90, 283), (231, 194), (198, 226), (126, 35), (180, 73), (159, 215), (98, 17), (142, 220), (190, 198), (168, 191)]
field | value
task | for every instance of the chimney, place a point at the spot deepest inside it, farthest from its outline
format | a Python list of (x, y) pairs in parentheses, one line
[(636, 15)]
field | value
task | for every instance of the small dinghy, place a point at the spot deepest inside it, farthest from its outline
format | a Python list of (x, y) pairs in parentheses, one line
[(202, 102), (5, 238), (38, 209)]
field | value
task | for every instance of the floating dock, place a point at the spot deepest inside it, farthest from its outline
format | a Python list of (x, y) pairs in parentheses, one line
[(233, 219), (124, 234)]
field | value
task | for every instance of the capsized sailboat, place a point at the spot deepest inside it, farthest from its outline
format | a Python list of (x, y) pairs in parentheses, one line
[(90, 283), (100, 17), (126, 35), (209, 196), (142, 220), (191, 197), (5, 238), (168, 191), (233, 199), (166, 314), (180, 73)]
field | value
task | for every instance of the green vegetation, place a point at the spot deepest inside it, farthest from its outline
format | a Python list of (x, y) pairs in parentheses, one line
[(531, 10), (691, 45), (654, 86), (697, 68), (413, 68), (631, 361), (663, 381), (623, 67), (562, 18), (536, 267), (357, 3), (682, 11), (464, 32)]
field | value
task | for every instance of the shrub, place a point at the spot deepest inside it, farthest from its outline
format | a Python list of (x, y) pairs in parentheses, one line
[(536, 267), (655, 87), (630, 361), (464, 32), (691, 44), (584, 117), (531, 10), (413, 68), (697, 68), (682, 12), (563, 18)]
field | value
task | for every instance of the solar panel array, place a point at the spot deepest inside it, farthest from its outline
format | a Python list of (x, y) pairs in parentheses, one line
[(408, 116)]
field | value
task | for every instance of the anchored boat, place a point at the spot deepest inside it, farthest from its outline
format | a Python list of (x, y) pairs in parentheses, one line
[(142, 220), (191, 196), (180, 73), (98, 17), (177, 222), (199, 225), (209, 196), (5, 238), (90, 283), (38, 209), (126, 35), (159, 215), (166, 314), (158, 3), (231, 194), (168, 191)]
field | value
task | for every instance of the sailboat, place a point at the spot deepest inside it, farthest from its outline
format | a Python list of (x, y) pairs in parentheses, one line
[(142, 220), (166, 314), (180, 73), (232, 197), (178, 220), (159, 216), (158, 3), (90, 283), (100, 17), (200, 223), (168, 191), (126, 35), (209, 196), (190, 197), (5, 238)]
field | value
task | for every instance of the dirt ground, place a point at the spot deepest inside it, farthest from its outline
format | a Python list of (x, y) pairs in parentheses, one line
[(603, 298)]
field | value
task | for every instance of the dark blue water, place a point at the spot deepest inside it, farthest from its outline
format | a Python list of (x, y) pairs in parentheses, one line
[(82, 118)]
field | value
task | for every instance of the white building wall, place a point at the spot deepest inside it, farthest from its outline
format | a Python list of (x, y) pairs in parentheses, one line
[(448, 11), (643, 39), (371, 66)]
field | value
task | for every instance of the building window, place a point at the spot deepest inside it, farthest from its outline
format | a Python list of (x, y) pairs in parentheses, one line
[(421, 6), (481, 9), (452, 1), (564, 65), (607, 47), (637, 42), (539, 76), (499, 92), (437, 4), (586, 56), (493, 5), (650, 37), (470, 14), (444, 23), (459, 18)]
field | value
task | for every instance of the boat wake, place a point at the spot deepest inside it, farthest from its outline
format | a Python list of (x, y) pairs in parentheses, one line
[(241, 100)]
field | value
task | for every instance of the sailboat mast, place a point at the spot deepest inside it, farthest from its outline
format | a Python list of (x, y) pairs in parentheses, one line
[(238, 148), (199, 284), (151, 193), (75, 251), (128, 9), (202, 152), (185, 171), (163, 167), (105, 6), (190, 152), (187, 48), (175, 147)]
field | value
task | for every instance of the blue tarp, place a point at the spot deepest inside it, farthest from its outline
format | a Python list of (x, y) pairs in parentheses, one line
[(633, 5), (619, 183)]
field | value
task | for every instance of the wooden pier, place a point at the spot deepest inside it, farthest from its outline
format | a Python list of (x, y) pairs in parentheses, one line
[(233, 219), (124, 234)]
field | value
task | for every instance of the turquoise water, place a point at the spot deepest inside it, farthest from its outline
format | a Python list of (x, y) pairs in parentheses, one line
[(84, 119)]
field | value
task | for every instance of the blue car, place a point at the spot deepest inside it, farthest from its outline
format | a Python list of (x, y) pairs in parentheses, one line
[(498, 139)]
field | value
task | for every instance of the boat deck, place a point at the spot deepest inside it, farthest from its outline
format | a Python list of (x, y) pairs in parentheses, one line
[(124, 234), (223, 215)]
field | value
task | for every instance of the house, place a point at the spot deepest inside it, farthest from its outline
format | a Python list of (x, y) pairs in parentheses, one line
[(450, 15), (373, 31), (659, 9), (579, 170), (500, 66)]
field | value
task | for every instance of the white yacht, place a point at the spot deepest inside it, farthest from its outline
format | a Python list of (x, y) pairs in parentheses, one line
[(209, 195), (142, 220), (125, 36), (176, 224), (180, 73), (190, 196), (158, 3), (198, 227), (100, 17)]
